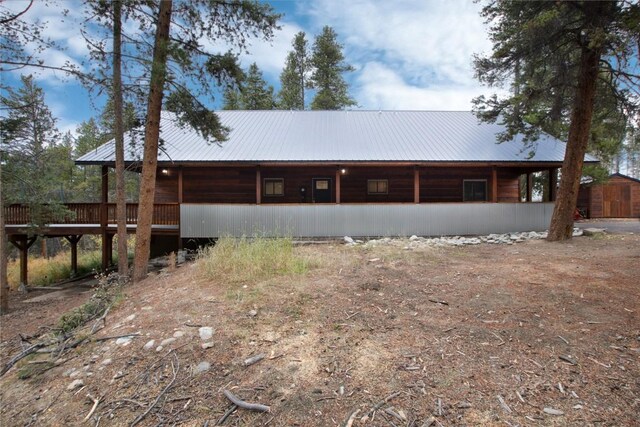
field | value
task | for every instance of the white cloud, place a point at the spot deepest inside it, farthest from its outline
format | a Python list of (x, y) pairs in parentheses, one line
[(429, 45), (380, 87)]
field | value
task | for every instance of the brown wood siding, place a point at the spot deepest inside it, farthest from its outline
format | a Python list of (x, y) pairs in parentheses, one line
[(445, 184), (618, 198), (219, 185), (166, 186), (354, 185), (508, 187), (294, 178), (584, 197)]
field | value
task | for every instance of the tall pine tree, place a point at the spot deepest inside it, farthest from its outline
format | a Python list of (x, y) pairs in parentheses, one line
[(327, 60), (552, 56), (294, 75)]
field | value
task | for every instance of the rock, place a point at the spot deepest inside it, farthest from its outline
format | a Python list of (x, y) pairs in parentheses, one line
[(167, 341), (124, 341), (75, 374), (75, 384), (178, 334), (106, 362), (159, 348), (206, 345), (149, 345), (253, 313), (202, 367), (130, 318), (68, 372), (592, 231), (464, 405), (552, 411), (206, 333), (413, 238), (349, 240)]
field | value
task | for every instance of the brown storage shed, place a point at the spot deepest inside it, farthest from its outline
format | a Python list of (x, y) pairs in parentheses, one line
[(619, 197)]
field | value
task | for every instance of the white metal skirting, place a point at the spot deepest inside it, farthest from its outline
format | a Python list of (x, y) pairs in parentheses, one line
[(433, 219)]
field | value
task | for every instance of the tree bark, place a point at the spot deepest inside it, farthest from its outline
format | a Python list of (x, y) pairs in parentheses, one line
[(561, 227), (151, 136), (4, 283), (121, 207)]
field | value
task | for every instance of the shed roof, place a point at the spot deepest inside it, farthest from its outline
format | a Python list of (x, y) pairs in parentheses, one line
[(278, 136)]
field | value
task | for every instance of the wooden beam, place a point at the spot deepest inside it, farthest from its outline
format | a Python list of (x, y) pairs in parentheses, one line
[(553, 184), (73, 240), (180, 184), (494, 184), (338, 174), (416, 185), (23, 243), (529, 186), (258, 186)]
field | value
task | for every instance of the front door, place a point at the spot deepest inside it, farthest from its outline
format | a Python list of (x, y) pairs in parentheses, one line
[(321, 190)]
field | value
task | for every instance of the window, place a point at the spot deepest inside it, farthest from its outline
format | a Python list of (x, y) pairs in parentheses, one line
[(273, 187), (475, 190), (377, 186)]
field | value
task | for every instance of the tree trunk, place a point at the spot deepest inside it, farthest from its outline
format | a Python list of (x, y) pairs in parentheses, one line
[(121, 207), (561, 227), (151, 136), (4, 283)]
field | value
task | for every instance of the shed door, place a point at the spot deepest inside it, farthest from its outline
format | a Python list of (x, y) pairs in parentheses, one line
[(616, 200), (321, 190)]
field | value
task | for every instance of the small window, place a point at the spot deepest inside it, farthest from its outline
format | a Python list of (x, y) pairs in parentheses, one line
[(475, 190), (378, 186), (273, 187), (322, 184)]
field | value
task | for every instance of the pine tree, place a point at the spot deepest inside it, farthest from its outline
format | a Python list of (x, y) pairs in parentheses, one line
[(327, 60), (294, 75), (552, 56), (231, 98), (256, 94)]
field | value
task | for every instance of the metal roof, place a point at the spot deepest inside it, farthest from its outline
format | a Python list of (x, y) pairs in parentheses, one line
[(339, 137)]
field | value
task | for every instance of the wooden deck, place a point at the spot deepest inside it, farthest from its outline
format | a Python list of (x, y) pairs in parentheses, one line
[(91, 218)]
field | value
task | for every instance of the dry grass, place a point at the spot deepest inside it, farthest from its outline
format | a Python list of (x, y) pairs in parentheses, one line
[(251, 259), (45, 271)]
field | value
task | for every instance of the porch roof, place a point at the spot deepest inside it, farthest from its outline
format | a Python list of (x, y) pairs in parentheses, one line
[(339, 137)]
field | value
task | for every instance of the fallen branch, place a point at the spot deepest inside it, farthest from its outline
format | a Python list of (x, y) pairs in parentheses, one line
[(229, 411), (114, 337), (96, 402), (255, 359), (20, 356), (95, 329), (379, 405), (351, 418), (504, 405), (245, 405), (438, 301), (162, 393)]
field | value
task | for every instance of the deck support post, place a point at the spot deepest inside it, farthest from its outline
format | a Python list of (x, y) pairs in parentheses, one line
[(553, 184), (73, 241), (104, 199), (494, 184), (258, 186), (416, 185), (529, 186), (23, 243)]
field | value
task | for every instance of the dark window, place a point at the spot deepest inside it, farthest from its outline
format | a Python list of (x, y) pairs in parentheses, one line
[(273, 187), (475, 190), (377, 186)]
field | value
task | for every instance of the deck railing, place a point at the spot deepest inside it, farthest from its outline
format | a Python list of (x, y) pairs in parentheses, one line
[(90, 213)]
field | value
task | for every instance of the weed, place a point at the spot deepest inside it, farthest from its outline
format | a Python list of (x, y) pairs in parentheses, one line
[(250, 260), (45, 271)]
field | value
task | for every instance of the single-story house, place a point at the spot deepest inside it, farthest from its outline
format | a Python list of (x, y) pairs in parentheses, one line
[(619, 197), (335, 173)]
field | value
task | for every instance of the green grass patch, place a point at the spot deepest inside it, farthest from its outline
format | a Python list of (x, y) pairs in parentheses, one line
[(250, 260)]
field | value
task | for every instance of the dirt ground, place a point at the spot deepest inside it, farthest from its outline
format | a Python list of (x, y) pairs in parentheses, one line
[(528, 334)]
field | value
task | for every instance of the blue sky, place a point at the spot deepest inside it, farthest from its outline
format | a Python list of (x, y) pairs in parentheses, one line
[(408, 54)]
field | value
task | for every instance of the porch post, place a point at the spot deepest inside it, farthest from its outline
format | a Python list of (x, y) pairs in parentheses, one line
[(338, 173), (553, 184), (103, 216), (494, 184), (180, 184), (23, 243), (258, 186), (529, 186), (416, 185)]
